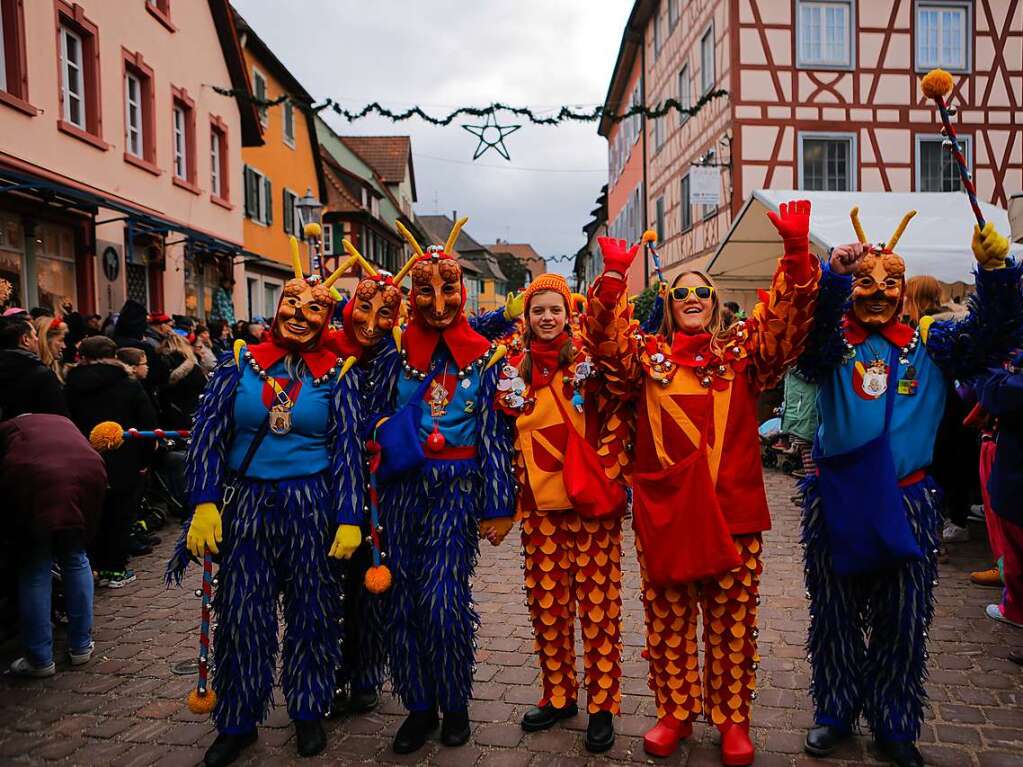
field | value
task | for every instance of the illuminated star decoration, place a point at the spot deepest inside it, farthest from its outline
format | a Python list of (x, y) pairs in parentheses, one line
[(491, 136)]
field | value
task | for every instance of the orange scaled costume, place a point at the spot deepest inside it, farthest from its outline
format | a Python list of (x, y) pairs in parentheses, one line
[(572, 559), (699, 500)]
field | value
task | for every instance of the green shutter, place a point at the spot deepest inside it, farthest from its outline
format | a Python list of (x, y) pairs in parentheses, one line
[(269, 197), (337, 233), (250, 207), (289, 210)]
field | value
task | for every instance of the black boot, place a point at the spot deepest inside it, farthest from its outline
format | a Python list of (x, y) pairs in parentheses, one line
[(339, 703), (412, 734), (600, 732), (363, 701), (226, 748), (822, 739), (902, 753), (310, 737), (544, 717), (455, 730)]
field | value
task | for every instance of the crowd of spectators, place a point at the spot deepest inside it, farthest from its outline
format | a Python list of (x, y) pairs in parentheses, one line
[(84, 517)]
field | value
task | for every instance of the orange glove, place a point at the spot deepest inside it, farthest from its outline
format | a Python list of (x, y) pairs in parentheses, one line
[(495, 530)]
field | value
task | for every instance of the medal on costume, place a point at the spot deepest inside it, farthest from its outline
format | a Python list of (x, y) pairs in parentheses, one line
[(438, 400), (280, 420), (871, 382), (280, 413)]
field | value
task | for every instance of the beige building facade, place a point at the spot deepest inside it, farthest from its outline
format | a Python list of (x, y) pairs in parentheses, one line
[(119, 164)]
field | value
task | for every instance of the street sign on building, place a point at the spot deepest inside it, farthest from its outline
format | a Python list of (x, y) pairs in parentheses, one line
[(704, 185)]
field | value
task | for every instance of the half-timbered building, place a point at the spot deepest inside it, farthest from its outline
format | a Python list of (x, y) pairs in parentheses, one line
[(821, 95)]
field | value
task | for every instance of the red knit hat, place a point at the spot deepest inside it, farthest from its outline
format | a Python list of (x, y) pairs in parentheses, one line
[(549, 281)]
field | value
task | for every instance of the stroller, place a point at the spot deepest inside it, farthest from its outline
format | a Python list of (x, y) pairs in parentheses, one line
[(776, 452)]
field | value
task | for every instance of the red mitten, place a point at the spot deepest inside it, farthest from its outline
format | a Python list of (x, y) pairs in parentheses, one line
[(793, 224), (616, 257)]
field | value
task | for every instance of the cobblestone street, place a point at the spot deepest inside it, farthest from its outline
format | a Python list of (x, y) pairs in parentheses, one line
[(127, 708)]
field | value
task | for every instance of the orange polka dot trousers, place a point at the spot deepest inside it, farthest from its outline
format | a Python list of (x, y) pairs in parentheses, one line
[(573, 568), (729, 605)]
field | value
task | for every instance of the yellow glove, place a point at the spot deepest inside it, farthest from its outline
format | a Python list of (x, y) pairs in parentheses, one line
[(346, 540), (495, 530), (990, 248), (205, 530), (515, 305)]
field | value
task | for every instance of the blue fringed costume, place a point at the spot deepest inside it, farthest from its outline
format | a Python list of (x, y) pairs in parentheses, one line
[(868, 631), (274, 474), (431, 519), (432, 514), (364, 648), (277, 532)]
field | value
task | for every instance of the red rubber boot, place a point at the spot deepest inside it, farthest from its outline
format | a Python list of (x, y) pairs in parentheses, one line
[(663, 738), (736, 748)]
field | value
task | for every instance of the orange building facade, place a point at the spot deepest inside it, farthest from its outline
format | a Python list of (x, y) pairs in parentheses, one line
[(275, 176)]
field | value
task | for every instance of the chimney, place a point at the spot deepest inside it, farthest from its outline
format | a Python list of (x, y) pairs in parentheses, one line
[(454, 215)]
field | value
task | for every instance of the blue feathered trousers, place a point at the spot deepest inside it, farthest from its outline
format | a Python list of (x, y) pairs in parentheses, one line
[(867, 642), (432, 538), (276, 539)]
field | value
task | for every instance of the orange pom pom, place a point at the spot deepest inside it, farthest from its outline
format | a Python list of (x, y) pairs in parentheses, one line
[(936, 83), (105, 436), (649, 236), (378, 579), (201, 703)]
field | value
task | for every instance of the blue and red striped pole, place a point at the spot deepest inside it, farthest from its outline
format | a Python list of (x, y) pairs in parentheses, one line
[(202, 699), (156, 434), (936, 85)]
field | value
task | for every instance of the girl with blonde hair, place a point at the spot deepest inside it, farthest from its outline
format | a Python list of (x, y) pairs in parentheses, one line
[(699, 505), (52, 332)]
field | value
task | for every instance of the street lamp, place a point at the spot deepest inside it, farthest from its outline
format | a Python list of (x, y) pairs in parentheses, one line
[(309, 213)]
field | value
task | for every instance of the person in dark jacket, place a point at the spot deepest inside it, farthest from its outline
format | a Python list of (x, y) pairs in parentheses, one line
[(220, 337), (130, 331), (52, 483), (1001, 395), (102, 389), (26, 384)]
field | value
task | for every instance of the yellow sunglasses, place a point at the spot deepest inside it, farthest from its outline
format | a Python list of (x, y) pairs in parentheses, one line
[(702, 291)]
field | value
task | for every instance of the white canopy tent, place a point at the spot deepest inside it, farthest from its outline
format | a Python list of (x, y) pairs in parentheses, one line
[(936, 242)]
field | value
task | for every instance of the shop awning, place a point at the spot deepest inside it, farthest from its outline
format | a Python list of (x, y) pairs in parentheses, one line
[(936, 242), (67, 197)]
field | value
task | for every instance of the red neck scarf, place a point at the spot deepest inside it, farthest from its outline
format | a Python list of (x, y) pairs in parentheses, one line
[(897, 333), (543, 359), (463, 343), (686, 347), (319, 359)]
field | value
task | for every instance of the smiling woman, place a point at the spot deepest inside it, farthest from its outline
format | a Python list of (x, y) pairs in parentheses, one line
[(697, 478)]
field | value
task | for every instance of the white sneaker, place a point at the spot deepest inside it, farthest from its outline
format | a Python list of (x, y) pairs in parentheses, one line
[(81, 657), (24, 667), (977, 513), (952, 533), (994, 612)]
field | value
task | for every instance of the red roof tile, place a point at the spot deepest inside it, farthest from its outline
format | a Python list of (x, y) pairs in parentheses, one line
[(522, 251), (388, 155)]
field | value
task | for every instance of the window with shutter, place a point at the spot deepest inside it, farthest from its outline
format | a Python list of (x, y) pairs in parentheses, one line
[(251, 193), (328, 239), (268, 197), (289, 211)]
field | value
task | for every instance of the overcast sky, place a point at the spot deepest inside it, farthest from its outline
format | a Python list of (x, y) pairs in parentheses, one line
[(445, 53)]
